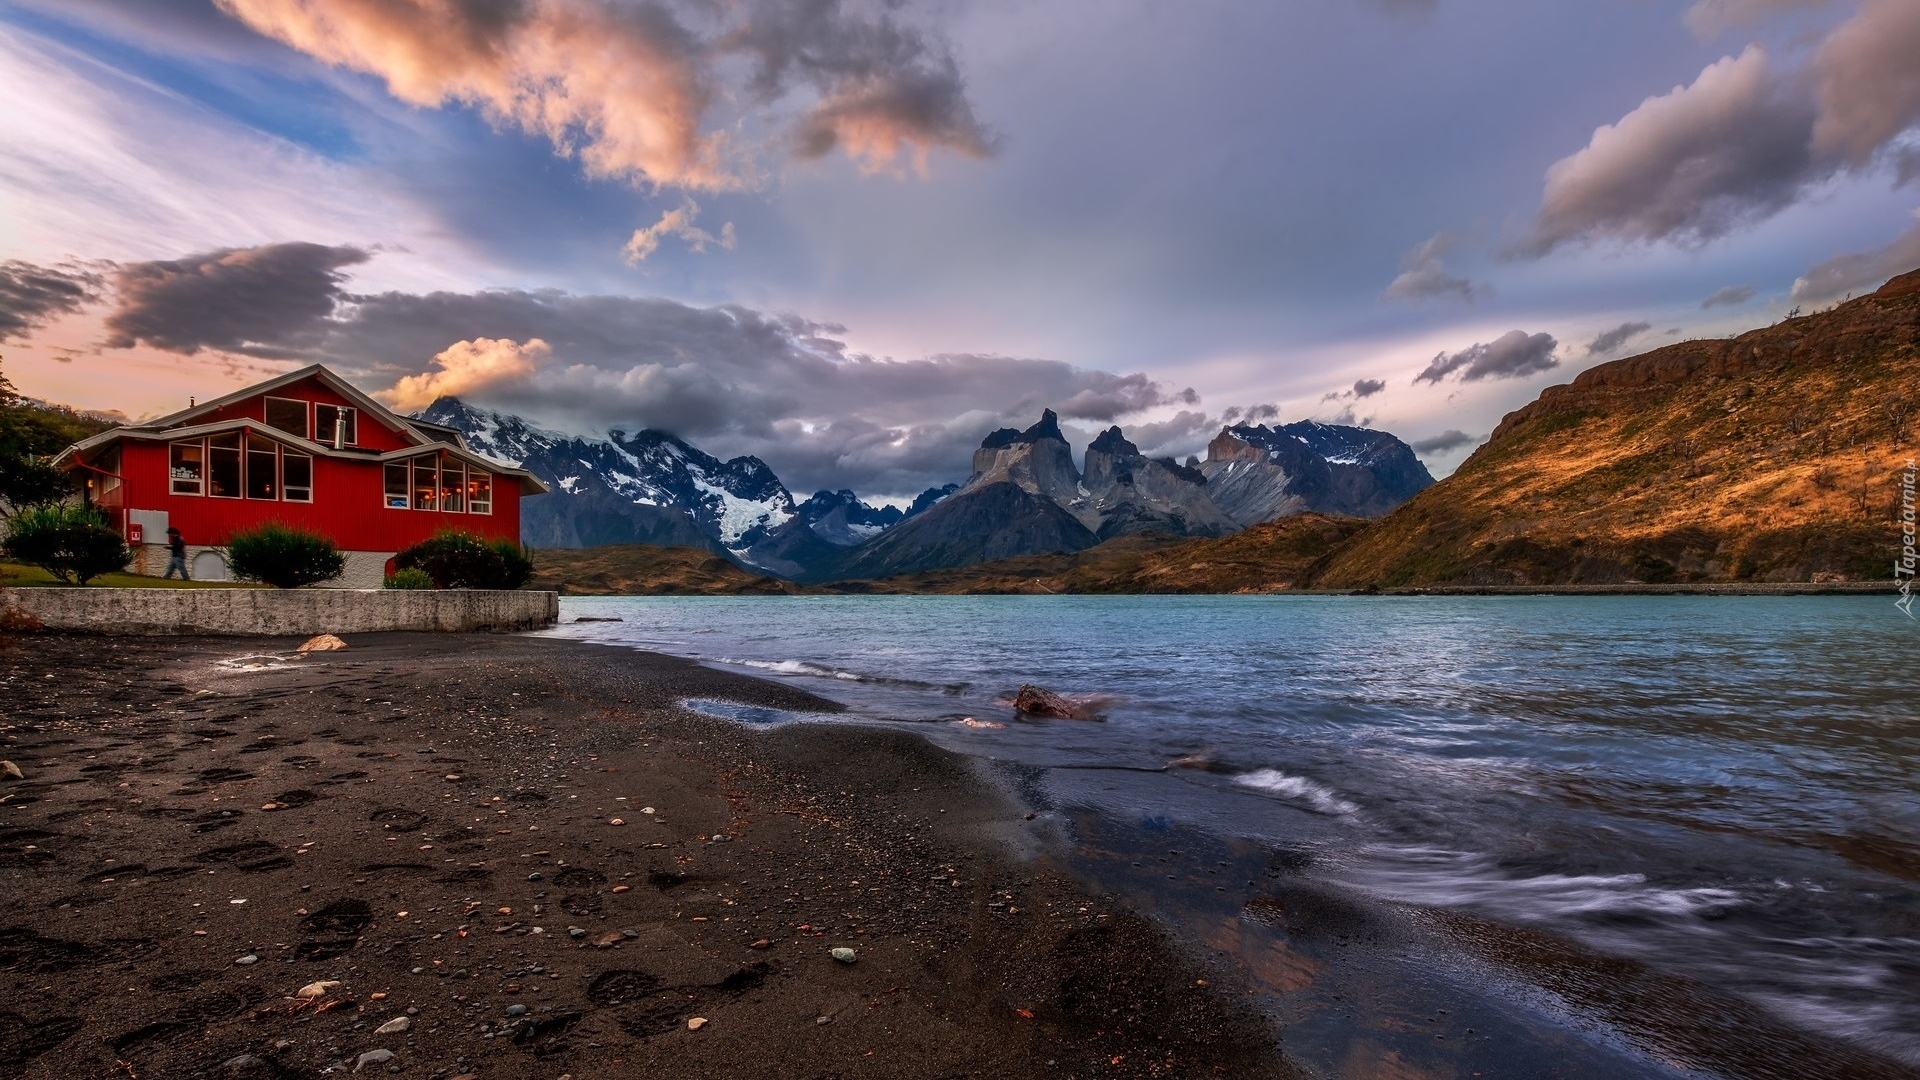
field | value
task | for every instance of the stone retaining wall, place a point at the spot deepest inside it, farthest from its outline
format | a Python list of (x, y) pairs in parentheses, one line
[(281, 612)]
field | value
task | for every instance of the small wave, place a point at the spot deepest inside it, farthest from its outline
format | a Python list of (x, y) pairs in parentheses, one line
[(1450, 879), (794, 667), (822, 671), (1296, 789)]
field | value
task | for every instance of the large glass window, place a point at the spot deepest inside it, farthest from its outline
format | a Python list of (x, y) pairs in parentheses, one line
[(288, 415), (397, 485), (326, 417), (453, 486), (479, 492), (296, 476), (223, 466), (426, 484), (263, 465), (187, 468)]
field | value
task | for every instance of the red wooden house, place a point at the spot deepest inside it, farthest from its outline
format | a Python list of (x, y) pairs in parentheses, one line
[(307, 449)]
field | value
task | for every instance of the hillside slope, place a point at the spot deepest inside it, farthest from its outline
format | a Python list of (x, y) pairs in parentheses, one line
[(1774, 456), (1270, 557), (646, 570)]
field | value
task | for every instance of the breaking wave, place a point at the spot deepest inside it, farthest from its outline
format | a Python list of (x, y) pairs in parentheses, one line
[(1296, 789), (1452, 879)]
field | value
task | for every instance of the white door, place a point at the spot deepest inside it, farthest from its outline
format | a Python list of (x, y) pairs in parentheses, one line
[(209, 566)]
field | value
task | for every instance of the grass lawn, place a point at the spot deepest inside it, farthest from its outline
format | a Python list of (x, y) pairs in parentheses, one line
[(34, 577)]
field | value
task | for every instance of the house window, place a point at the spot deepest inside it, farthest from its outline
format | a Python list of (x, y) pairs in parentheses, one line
[(453, 486), (187, 468), (288, 415), (426, 483), (223, 466), (325, 419), (479, 492), (263, 466), (397, 485), (109, 478), (296, 476)]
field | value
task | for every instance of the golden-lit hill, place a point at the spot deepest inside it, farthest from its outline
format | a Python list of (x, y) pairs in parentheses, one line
[(1264, 558), (645, 570), (1774, 456)]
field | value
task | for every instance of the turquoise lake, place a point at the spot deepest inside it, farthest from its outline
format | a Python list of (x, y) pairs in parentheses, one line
[(1719, 792)]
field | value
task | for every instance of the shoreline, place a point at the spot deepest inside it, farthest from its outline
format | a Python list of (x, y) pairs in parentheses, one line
[(181, 812)]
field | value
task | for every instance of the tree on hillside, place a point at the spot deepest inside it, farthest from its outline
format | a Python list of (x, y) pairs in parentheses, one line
[(30, 435)]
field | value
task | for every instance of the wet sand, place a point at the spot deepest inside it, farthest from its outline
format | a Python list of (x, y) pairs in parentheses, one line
[(428, 823)]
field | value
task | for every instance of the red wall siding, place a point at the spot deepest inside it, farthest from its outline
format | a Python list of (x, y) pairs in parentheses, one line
[(348, 505), (373, 435)]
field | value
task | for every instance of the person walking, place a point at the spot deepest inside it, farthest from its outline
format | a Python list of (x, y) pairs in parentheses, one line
[(176, 555)]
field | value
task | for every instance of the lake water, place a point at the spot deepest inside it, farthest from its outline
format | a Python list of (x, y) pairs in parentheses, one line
[(1572, 818)]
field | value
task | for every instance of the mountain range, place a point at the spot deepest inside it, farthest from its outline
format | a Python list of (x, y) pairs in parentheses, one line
[(1024, 496)]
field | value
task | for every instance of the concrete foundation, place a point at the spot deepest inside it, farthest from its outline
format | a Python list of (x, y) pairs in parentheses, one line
[(364, 569), (281, 612)]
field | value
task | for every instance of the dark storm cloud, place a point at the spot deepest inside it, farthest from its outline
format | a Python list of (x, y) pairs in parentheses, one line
[(1443, 442), (31, 295), (1731, 296), (1860, 271), (1510, 356), (1616, 337), (882, 86), (730, 378), (271, 302), (1366, 388)]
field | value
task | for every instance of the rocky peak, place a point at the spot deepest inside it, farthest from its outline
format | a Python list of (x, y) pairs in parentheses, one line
[(1111, 441), (1037, 459), (1047, 428)]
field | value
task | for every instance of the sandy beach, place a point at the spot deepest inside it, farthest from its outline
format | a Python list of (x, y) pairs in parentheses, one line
[(445, 856)]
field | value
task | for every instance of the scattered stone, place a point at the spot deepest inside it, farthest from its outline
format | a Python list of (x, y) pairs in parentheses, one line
[(621, 888), (316, 989), (1039, 701), (760, 944), (535, 876), (517, 1010), (372, 1057), (611, 937), (11, 771), (823, 1021), (983, 725), (576, 932), (646, 809), (617, 821), (242, 1063), (322, 643), (844, 955), (399, 1025), (695, 1023), (247, 959)]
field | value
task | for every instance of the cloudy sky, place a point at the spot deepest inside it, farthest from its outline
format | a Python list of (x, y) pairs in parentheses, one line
[(851, 236)]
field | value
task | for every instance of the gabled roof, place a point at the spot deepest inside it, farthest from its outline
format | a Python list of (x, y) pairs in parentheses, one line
[(179, 426), (312, 371)]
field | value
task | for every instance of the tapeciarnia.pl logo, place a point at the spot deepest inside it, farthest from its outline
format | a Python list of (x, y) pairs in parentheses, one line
[(1903, 567)]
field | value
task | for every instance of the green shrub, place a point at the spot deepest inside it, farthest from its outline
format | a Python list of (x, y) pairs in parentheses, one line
[(284, 556), (457, 560), (518, 564), (410, 578), (72, 543)]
